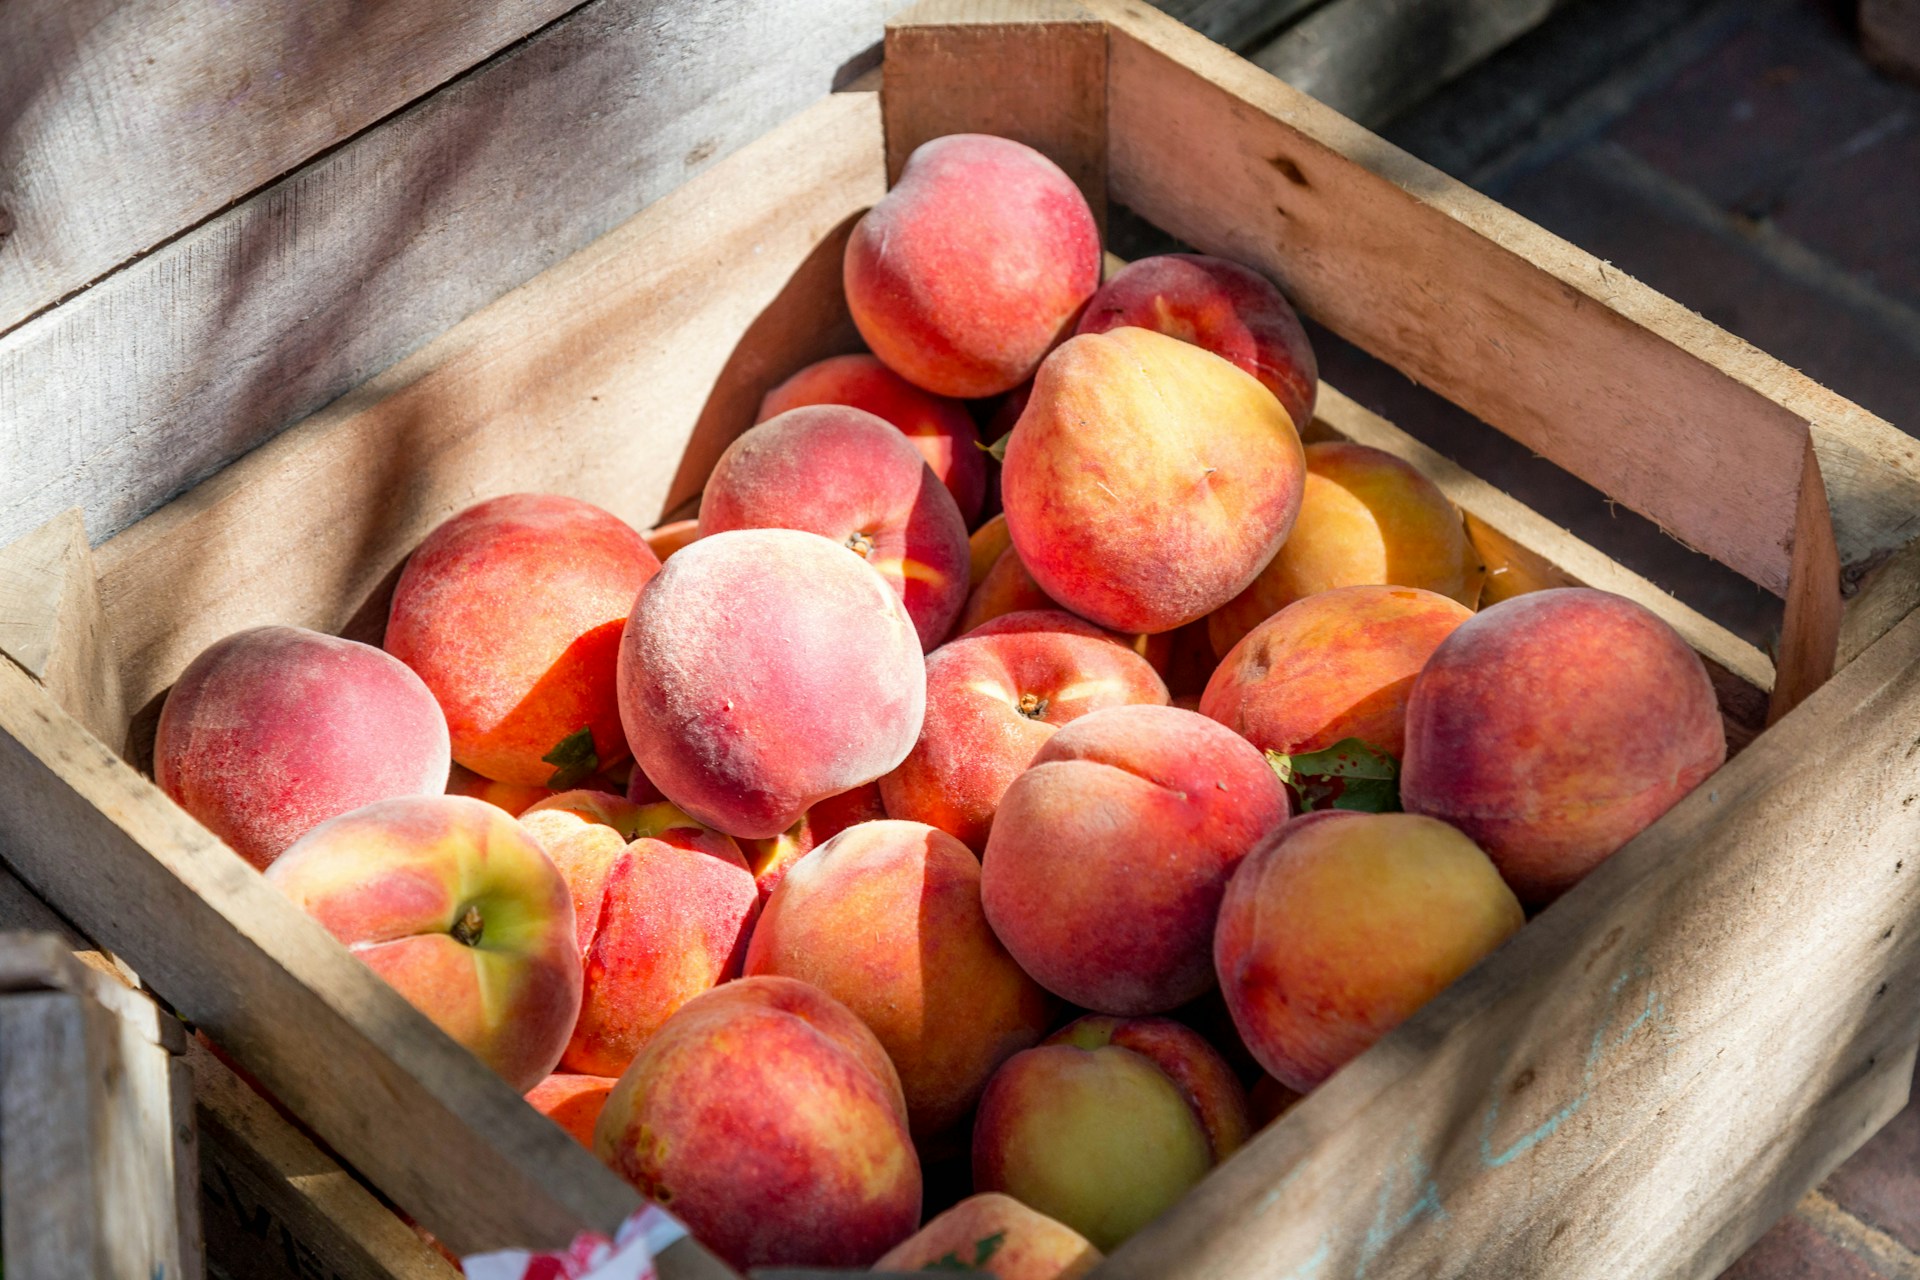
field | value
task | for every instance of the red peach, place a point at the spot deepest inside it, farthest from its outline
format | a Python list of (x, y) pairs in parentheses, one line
[(848, 476), (1006, 587), (1148, 481), (1342, 926), (1554, 727), (984, 546), (767, 1118), (1335, 665), (272, 731), (1268, 1100), (1366, 519), (460, 911), (885, 917), (510, 796), (511, 612), (665, 539), (764, 670), (994, 697), (1108, 857), (998, 1235), (573, 1102), (977, 262), (770, 860), (1231, 310), (941, 429), (662, 910), (1204, 1077)]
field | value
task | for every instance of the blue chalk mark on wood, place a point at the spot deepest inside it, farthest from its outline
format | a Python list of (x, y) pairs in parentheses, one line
[(1385, 1229), (1601, 1046)]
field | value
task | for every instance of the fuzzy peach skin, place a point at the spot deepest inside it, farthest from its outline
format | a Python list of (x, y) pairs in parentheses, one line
[(770, 860), (1335, 665), (984, 547), (995, 1234), (1148, 481), (1366, 519), (977, 262), (994, 697), (1337, 930), (662, 909), (665, 539), (1005, 588), (1095, 1135), (885, 918), (849, 476), (1202, 1074), (460, 911), (510, 796), (941, 429), (573, 1102), (511, 612), (1554, 727), (764, 670), (1108, 857), (272, 731), (1231, 310), (767, 1118)]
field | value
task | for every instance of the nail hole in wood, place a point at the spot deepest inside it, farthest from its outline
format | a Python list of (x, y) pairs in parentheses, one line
[(1290, 171), (1520, 1081)]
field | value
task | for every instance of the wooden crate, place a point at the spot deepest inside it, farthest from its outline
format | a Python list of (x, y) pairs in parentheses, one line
[(1638, 1083)]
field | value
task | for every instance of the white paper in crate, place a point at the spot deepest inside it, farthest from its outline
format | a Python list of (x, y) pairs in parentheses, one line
[(628, 1256)]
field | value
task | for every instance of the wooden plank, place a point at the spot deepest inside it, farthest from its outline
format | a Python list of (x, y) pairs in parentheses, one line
[(50, 623), (638, 349), (1697, 1025), (1031, 70), (164, 372), (151, 115), (1810, 626), (1518, 327)]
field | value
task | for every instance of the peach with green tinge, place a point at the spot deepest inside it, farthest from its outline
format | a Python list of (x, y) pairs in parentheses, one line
[(1366, 519), (994, 697), (1335, 665), (765, 670), (1108, 857), (1338, 929), (850, 477), (941, 429), (996, 1234), (1107, 1124), (662, 908), (767, 1118), (973, 266), (460, 911), (1553, 727), (1149, 481), (511, 611), (771, 859), (573, 1102), (885, 917)]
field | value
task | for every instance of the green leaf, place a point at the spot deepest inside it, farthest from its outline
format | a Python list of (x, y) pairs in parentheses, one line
[(1350, 774), (983, 1249), (574, 759), (997, 450)]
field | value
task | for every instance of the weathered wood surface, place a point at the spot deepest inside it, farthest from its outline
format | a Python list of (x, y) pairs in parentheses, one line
[(50, 624), (123, 123), (1641, 1080), (172, 367)]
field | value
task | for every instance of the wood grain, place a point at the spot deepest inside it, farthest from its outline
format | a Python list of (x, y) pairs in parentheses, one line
[(1031, 70), (149, 116), (1810, 626), (51, 624), (169, 369), (1702, 1025)]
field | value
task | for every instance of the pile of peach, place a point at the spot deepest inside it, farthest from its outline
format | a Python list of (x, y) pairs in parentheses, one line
[(825, 838)]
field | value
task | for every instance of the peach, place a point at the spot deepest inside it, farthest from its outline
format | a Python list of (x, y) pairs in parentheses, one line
[(511, 612), (984, 546), (941, 429), (1092, 1129), (994, 697), (997, 1234), (1268, 1100), (977, 262), (510, 796), (272, 731), (1337, 930), (770, 860), (665, 539), (1108, 857), (573, 1102), (1005, 588), (1230, 310), (847, 475), (1335, 665), (662, 910), (460, 911), (885, 918), (1148, 481), (767, 1118), (764, 670), (1553, 727), (1366, 519)]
